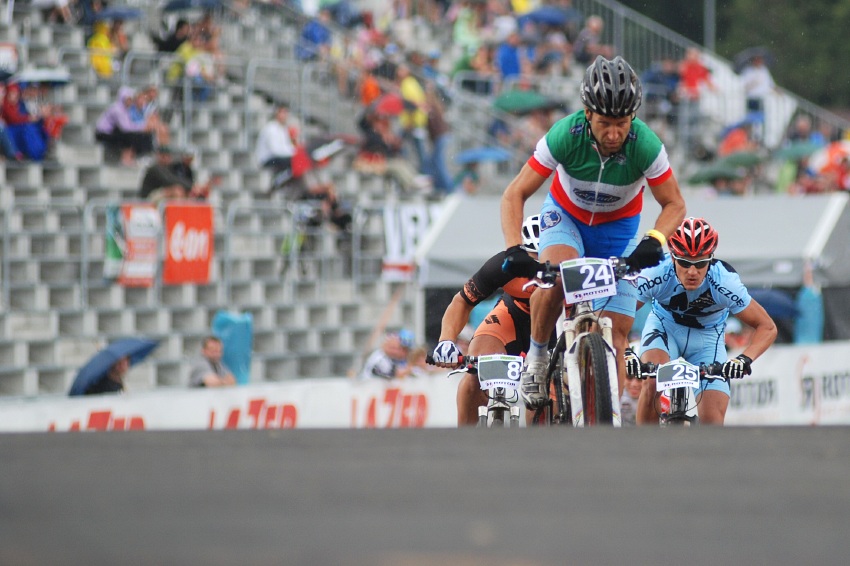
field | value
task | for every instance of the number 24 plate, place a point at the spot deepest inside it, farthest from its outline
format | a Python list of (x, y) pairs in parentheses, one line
[(587, 278)]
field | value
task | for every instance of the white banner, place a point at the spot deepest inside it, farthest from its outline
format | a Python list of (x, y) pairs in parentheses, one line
[(802, 385)]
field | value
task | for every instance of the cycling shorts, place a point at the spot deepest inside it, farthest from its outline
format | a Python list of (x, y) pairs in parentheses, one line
[(617, 238), (511, 327), (696, 345)]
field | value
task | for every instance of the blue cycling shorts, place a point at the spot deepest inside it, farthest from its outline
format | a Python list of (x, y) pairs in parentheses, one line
[(696, 345), (617, 238)]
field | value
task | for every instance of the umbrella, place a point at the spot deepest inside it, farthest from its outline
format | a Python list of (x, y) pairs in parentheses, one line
[(522, 101), (119, 13), (716, 171), (829, 157), (778, 304), (181, 5), (390, 104), (482, 154), (53, 77), (137, 349), (551, 15), (797, 150), (743, 58), (741, 159)]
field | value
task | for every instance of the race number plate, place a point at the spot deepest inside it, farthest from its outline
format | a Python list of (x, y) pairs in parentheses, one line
[(499, 371), (587, 278), (675, 374)]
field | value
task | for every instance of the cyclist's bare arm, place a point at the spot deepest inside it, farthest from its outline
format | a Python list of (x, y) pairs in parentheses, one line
[(455, 318), (519, 190), (668, 195), (765, 329)]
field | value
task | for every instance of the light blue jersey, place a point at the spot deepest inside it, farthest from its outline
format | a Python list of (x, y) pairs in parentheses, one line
[(690, 324)]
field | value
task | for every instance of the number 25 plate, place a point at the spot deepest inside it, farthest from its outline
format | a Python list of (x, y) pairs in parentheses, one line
[(587, 278), (499, 371), (677, 373)]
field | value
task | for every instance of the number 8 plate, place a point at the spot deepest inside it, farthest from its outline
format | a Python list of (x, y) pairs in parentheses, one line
[(499, 371), (587, 278)]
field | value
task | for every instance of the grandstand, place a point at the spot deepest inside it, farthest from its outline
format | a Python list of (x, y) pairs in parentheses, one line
[(314, 309)]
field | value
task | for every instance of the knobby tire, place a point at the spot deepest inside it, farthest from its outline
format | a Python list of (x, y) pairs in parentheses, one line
[(596, 388)]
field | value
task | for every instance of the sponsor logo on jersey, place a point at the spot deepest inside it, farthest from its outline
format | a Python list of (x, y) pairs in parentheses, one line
[(577, 130), (594, 197)]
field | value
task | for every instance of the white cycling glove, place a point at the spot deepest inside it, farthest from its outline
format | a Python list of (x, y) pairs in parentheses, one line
[(736, 368), (447, 353)]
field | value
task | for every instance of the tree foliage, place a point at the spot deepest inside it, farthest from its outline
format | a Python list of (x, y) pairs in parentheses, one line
[(808, 39)]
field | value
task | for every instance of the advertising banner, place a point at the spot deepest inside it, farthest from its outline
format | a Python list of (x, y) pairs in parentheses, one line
[(188, 243), (141, 229)]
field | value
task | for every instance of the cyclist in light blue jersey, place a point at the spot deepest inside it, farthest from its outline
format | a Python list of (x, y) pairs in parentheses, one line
[(603, 159), (692, 294)]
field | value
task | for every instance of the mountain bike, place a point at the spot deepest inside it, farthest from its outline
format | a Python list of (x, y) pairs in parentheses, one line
[(677, 381), (499, 376), (581, 375)]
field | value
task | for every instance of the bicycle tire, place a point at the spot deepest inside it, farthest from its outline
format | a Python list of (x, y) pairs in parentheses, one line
[(678, 408), (595, 384), (558, 404)]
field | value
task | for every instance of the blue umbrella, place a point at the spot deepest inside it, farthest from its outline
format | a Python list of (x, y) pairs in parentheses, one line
[(778, 304), (137, 349), (180, 5), (481, 154), (551, 15), (118, 13)]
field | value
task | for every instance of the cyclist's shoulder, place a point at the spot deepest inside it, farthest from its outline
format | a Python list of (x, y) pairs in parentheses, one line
[(571, 129), (642, 138)]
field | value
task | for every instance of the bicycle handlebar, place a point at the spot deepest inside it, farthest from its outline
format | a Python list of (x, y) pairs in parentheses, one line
[(547, 273), (707, 372)]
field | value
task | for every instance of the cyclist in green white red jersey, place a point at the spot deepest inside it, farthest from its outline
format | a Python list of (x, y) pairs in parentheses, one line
[(603, 158)]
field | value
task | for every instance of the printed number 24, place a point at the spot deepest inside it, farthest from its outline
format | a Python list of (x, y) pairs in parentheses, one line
[(595, 273)]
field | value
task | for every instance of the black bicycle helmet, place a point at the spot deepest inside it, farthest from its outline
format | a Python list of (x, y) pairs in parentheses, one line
[(611, 88)]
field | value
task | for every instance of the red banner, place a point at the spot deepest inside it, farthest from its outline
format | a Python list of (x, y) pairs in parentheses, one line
[(188, 243)]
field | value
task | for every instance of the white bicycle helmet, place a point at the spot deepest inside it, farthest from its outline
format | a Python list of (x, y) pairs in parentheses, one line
[(531, 233)]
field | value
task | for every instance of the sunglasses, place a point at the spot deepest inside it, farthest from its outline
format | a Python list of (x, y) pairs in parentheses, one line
[(701, 264)]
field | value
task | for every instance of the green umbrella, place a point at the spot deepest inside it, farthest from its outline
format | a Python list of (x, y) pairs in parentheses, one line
[(522, 101), (796, 150), (715, 171), (741, 159)]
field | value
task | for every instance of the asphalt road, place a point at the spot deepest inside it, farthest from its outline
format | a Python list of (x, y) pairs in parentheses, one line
[(422, 497)]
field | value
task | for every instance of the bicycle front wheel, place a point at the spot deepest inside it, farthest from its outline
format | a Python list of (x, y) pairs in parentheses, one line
[(595, 384)]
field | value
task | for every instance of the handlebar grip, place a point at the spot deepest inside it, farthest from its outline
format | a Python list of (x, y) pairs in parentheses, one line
[(429, 359)]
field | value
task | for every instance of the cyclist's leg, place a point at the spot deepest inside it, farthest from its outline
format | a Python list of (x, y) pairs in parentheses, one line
[(559, 241), (712, 407), (646, 411), (707, 346)]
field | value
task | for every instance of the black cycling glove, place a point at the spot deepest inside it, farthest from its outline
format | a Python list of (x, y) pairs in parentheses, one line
[(519, 264), (736, 368), (649, 251)]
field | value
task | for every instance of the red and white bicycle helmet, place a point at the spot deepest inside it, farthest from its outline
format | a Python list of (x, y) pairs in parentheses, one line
[(531, 233), (693, 238)]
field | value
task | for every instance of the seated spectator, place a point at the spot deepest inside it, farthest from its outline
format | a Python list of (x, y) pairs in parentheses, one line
[(166, 179), (208, 370), (54, 10), (118, 36), (390, 360), (629, 399), (117, 130), (113, 381), (148, 106), (175, 39), (479, 62), (588, 45), (7, 144), (196, 64), (25, 130), (276, 146), (314, 43), (102, 51), (380, 153), (183, 170), (739, 138), (660, 90)]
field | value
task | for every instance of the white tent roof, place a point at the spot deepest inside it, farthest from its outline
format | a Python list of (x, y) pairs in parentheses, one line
[(767, 239)]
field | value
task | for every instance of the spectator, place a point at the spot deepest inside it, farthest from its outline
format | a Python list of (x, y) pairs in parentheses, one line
[(802, 132), (160, 182), (390, 360), (116, 129), (314, 43), (54, 10), (101, 50), (758, 84), (479, 62), (208, 370), (183, 170), (588, 45), (24, 129), (196, 64), (171, 42), (439, 133), (738, 138), (48, 116), (509, 57), (693, 77), (369, 89), (468, 178), (276, 145), (119, 39), (7, 143), (808, 326), (113, 381), (148, 106), (661, 91), (414, 118), (629, 401), (466, 32)]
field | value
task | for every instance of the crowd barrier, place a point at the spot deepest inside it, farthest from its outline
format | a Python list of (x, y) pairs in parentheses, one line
[(791, 385)]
